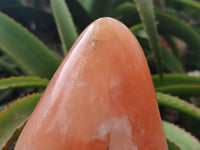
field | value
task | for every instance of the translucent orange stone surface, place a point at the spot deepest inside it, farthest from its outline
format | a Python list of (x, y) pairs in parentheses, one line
[(101, 97)]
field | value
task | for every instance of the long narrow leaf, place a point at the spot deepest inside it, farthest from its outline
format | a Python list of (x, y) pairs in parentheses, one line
[(190, 3), (146, 12), (5, 96), (172, 25), (23, 82), (171, 62), (6, 67), (178, 104), (168, 24), (15, 115), (173, 45), (180, 137), (13, 139), (181, 90), (25, 15), (65, 24), (31, 55), (98, 8), (172, 146), (128, 14), (9, 2), (175, 80), (178, 84), (80, 16)]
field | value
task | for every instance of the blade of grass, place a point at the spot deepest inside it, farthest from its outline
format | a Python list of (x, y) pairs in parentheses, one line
[(65, 24)]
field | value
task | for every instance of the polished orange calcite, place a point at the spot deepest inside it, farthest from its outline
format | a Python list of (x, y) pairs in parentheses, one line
[(101, 97)]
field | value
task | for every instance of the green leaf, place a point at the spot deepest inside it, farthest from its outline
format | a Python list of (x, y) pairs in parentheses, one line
[(15, 115), (65, 24), (23, 82), (13, 139), (80, 16), (9, 2), (175, 79), (128, 14), (146, 13), (171, 62), (25, 15), (98, 8), (136, 29), (173, 45), (190, 3), (118, 2), (181, 90), (6, 96), (172, 146), (167, 24), (180, 137), (178, 84), (33, 57), (5, 66), (178, 104)]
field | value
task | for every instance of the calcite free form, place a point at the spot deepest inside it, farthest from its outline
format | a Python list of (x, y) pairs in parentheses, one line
[(100, 98)]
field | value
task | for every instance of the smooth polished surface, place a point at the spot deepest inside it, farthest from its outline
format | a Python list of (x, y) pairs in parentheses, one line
[(101, 97)]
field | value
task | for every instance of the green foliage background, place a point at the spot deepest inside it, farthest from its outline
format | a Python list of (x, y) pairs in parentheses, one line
[(36, 35)]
